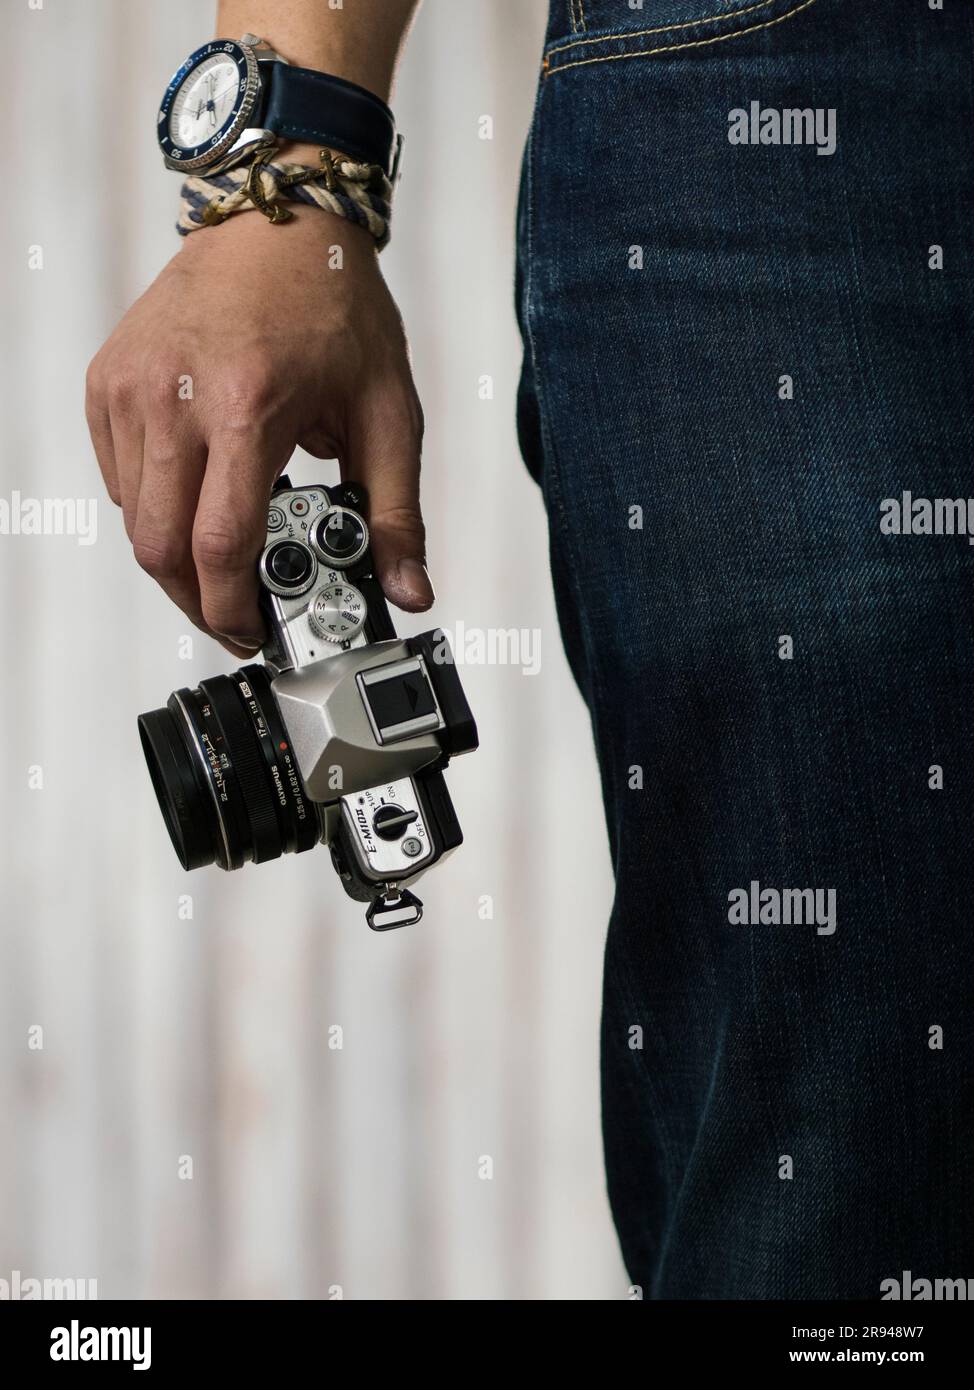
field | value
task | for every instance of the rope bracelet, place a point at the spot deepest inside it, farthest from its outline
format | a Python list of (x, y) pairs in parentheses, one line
[(361, 193)]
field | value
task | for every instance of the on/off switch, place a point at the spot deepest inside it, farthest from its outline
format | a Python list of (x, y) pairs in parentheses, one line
[(391, 822)]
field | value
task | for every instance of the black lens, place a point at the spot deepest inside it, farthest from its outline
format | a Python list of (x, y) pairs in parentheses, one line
[(290, 564), (339, 535), (180, 789), (297, 816), (224, 774)]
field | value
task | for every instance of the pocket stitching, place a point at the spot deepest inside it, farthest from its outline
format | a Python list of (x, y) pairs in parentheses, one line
[(661, 29), (576, 10), (548, 69)]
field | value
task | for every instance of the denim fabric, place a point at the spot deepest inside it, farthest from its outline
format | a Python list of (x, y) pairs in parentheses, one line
[(779, 1119)]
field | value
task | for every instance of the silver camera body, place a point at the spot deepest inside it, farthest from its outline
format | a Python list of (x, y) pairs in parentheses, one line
[(340, 738), (372, 718)]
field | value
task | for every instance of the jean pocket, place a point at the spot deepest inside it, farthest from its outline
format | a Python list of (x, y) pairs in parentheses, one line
[(604, 30)]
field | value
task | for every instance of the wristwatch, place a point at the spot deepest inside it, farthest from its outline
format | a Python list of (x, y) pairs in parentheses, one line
[(233, 95)]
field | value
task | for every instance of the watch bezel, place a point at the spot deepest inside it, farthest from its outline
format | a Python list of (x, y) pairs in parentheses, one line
[(245, 104)]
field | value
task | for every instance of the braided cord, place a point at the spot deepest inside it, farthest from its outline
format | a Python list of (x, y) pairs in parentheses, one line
[(361, 193)]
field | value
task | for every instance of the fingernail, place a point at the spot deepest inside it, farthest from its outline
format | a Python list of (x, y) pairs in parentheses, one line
[(414, 577), (253, 644)]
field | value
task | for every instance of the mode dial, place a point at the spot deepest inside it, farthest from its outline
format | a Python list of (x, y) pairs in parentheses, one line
[(337, 613)]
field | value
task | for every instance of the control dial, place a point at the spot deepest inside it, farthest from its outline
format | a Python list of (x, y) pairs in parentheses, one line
[(337, 612), (288, 568), (391, 822), (340, 537)]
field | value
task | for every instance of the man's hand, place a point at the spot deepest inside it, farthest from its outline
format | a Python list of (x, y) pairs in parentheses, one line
[(247, 345)]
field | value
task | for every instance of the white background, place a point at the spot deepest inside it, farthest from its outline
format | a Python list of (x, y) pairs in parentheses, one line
[(463, 1037)]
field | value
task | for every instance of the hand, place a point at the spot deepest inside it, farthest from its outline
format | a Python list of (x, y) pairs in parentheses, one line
[(277, 350)]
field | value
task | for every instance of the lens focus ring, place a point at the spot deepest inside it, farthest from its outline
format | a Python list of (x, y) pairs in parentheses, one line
[(225, 776), (246, 762), (296, 814)]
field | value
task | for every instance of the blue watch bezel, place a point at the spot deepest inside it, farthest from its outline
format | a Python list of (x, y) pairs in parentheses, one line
[(245, 104)]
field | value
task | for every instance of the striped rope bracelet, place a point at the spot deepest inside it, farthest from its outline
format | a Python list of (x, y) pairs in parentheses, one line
[(361, 193)]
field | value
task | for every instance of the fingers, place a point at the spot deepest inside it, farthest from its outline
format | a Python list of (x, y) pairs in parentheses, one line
[(229, 534), (127, 423), (195, 513), (194, 479), (100, 429), (172, 475), (384, 454)]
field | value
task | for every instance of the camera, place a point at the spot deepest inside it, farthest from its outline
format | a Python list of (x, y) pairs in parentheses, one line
[(340, 738)]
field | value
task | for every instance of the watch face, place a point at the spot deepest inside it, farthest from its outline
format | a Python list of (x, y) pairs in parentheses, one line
[(208, 103)]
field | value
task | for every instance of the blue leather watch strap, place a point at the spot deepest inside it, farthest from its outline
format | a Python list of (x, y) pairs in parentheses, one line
[(301, 104)]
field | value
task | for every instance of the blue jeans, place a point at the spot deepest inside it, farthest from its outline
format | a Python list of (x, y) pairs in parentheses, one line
[(742, 348)]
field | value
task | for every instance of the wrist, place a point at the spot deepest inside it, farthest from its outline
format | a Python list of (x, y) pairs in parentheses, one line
[(311, 229), (298, 152), (360, 42)]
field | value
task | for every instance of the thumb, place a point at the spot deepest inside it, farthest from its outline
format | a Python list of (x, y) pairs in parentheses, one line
[(385, 445)]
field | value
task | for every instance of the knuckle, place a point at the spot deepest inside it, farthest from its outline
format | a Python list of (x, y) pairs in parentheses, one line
[(121, 389), (249, 395), (217, 548), (403, 520), (164, 557), (94, 384), (164, 455), (161, 379)]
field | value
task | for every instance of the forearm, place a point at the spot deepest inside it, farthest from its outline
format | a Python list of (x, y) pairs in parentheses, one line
[(361, 41), (316, 360)]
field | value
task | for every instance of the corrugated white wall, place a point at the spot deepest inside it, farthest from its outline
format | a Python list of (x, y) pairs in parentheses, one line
[(208, 1037)]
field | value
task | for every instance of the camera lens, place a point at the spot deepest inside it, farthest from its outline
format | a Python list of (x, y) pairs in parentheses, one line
[(288, 567), (224, 774), (340, 537)]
